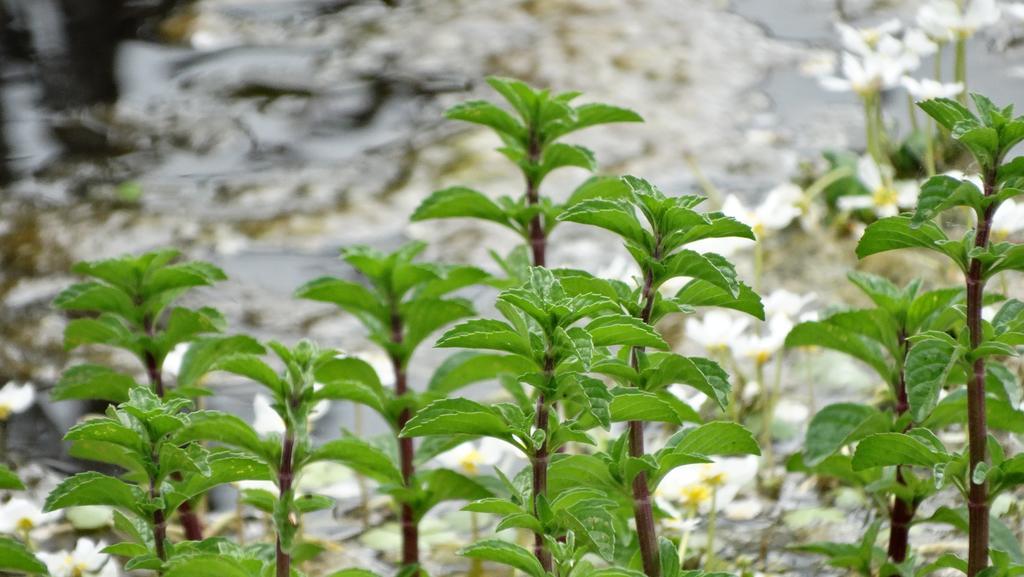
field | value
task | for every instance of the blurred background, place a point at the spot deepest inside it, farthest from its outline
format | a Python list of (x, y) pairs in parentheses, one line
[(265, 134)]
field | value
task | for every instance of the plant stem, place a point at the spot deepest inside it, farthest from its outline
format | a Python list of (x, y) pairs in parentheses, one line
[(902, 512), (977, 425), (709, 561), (929, 151), (912, 109), (685, 539), (539, 463), (960, 71), (159, 522), (190, 521), (643, 513), (538, 238), (476, 566), (406, 452), (285, 476)]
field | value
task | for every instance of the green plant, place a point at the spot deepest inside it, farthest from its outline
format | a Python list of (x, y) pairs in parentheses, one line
[(880, 337), (531, 143), (406, 302), (988, 135), (130, 304), (161, 471), (656, 229)]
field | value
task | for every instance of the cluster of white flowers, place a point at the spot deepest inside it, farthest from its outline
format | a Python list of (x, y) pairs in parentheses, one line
[(687, 491), (885, 196), (473, 457)]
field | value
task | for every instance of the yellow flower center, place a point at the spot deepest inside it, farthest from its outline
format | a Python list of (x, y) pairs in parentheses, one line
[(25, 524), (716, 479), (692, 496), (5, 411), (885, 196), (758, 229), (470, 462), (762, 357)]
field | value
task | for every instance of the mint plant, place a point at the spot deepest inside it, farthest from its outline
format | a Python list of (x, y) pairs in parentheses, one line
[(161, 471), (988, 135), (880, 337), (130, 304), (16, 556), (544, 328), (403, 305), (530, 140), (656, 229)]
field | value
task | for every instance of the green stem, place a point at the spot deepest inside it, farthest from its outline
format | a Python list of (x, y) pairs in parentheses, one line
[(712, 523), (684, 541), (929, 151), (960, 72), (912, 109)]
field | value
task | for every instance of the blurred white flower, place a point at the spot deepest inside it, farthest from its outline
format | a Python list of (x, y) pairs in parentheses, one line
[(776, 212), (918, 43), (869, 73), (761, 348), (381, 364), (16, 398), (717, 331), (86, 560), (946, 20), (90, 517), (471, 457), (1008, 219), (173, 360), (884, 199), (690, 486), (1015, 10), (786, 304), (268, 486), (928, 89), (20, 515), (331, 479), (866, 40)]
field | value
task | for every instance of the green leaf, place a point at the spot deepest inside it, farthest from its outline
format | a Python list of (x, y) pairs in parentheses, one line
[(716, 438), (359, 456), (207, 565), (487, 114), (106, 329), (701, 293), (486, 334), (203, 354), (96, 297), (9, 480), (468, 367), (899, 232), (224, 467), (888, 449), (505, 553), (350, 296), (614, 329), (947, 112), (351, 379), (832, 336), (560, 155), (708, 267), (93, 382), (424, 316), (839, 425), (91, 488), (517, 93), (927, 368), (629, 404), (107, 430), (982, 141), (251, 367), (461, 202), (701, 374), (940, 193), (457, 417), (613, 215), (180, 276), (222, 428), (589, 115), (16, 558)]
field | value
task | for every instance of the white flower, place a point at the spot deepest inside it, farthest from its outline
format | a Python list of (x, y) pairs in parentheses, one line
[(928, 89), (268, 486), (884, 199), (690, 487), (330, 479), (1008, 219), (266, 421), (472, 456), (918, 43), (173, 360), (761, 348), (718, 330), (945, 20), (1016, 10), (16, 398), (870, 73), (786, 304), (776, 212), (86, 560), (865, 40), (20, 515)]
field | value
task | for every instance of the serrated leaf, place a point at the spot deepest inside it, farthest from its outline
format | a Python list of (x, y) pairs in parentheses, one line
[(505, 553), (701, 293), (91, 488), (93, 382), (359, 456), (457, 417), (899, 232), (468, 367), (16, 558), (9, 480), (614, 329), (461, 202), (486, 334), (927, 368), (839, 425), (716, 438), (613, 215), (702, 374), (889, 449), (487, 114)]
